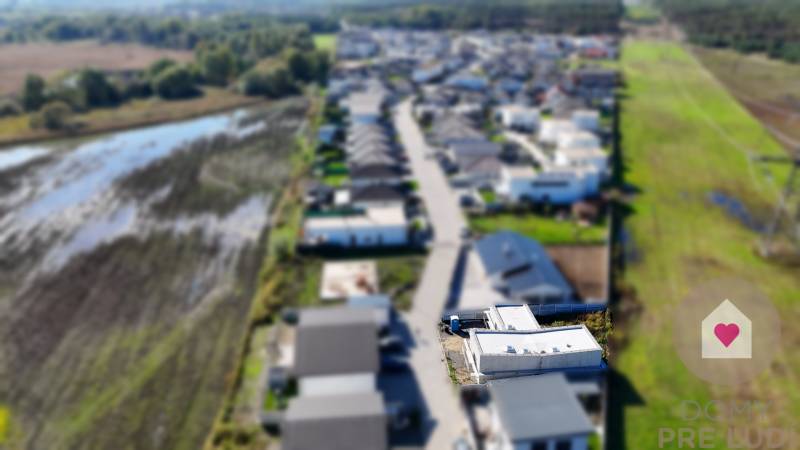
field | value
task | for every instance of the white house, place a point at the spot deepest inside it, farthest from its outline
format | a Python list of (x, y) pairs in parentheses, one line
[(516, 182), (495, 354), (538, 412), (551, 129), (373, 227), (593, 157), (427, 73), (577, 139), (587, 120), (519, 117), (556, 185)]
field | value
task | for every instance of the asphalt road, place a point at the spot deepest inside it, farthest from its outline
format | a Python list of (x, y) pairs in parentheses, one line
[(446, 418)]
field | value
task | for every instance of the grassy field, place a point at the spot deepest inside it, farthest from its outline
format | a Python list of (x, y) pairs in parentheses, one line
[(683, 135), (48, 59), (325, 41), (769, 88), (4, 424), (544, 229), (136, 113)]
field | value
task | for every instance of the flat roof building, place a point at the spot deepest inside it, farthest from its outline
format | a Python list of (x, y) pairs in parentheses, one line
[(503, 354), (511, 317)]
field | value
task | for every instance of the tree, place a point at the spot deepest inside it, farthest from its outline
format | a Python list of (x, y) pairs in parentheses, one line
[(95, 89), (301, 66), (175, 82), (33, 92), (219, 65), (53, 116), (322, 66), (280, 83), (158, 66)]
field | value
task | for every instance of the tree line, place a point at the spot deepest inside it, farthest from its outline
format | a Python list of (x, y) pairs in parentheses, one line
[(551, 16), (288, 65), (768, 26)]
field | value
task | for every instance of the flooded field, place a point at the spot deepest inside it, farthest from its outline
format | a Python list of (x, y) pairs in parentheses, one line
[(127, 264)]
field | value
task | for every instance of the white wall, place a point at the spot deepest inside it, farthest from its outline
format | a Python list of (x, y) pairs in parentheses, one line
[(359, 237), (337, 384)]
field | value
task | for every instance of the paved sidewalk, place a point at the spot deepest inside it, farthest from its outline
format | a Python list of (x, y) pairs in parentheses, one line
[(446, 417)]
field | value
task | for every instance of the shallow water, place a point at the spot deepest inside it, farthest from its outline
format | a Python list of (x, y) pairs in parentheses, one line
[(736, 209), (18, 156), (70, 202)]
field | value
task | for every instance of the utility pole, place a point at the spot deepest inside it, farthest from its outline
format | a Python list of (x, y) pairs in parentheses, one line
[(790, 191)]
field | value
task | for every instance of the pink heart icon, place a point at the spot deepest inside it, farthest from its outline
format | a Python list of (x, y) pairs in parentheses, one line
[(726, 333)]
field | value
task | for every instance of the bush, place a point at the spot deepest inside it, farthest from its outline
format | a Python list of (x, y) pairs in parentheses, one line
[(174, 83), (9, 107), (53, 116)]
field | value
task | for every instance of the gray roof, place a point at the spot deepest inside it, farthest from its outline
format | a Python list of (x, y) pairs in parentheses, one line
[(453, 127), (539, 407), (475, 147), (482, 164), (336, 422), (522, 265), (336, 341)]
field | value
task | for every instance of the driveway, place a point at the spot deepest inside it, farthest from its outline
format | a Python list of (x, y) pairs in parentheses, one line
[(446, 419)]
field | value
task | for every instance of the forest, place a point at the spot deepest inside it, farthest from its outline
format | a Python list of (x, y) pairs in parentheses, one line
[(768, 26)]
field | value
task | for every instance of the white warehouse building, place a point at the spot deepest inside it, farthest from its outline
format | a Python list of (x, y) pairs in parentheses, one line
[(503, 354)]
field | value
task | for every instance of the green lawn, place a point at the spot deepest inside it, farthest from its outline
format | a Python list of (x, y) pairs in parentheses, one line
[(642, 13), (399, 276), (679, 134), (4, 419), (336, 180), (546, 230), (325, 41)]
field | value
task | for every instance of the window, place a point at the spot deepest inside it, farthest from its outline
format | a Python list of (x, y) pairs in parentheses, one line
[(539, 446), (564, 445)]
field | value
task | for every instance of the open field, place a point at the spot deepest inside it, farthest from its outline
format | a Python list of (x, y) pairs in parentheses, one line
[(546, 230), (48, 59), (136, 113), (325, 41), (769, 88), (683, 136)]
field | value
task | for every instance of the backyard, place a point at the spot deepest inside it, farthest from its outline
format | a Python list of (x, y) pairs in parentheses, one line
[(684, 136), (547, 230)]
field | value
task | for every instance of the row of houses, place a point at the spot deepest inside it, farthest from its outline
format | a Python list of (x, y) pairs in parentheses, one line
[(372, 208), (336, 362)]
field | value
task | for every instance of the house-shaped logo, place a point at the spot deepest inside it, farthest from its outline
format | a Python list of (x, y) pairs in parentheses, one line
[(727, 333)]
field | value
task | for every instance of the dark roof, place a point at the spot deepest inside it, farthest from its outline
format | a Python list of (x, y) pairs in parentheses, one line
[(475, 147), (521, 264), (375, 171), (336, 422), (336, 341), (539, 407), (377, 193)]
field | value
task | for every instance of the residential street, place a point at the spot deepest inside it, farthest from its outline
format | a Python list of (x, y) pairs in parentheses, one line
[(446, 416)]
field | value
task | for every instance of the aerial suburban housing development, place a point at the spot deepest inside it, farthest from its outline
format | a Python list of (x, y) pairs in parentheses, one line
[(399, 225)]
